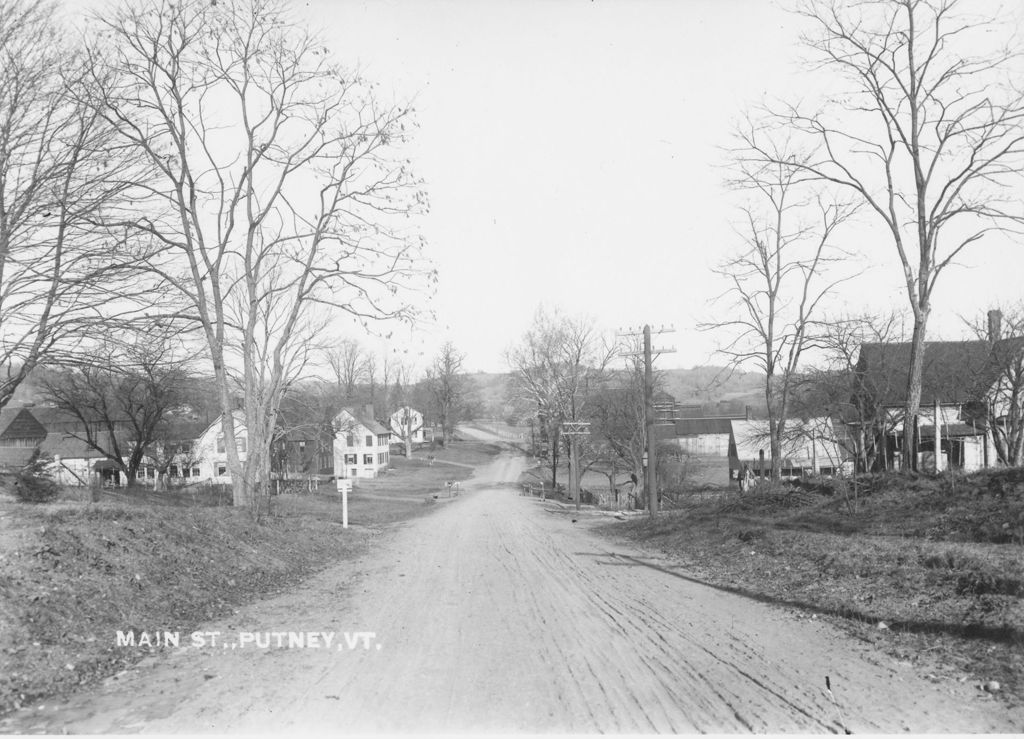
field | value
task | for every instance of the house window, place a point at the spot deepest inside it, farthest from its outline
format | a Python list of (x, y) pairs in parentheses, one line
[(174, 470), (222, 469), (302, 447), (239, 444), (351, 459), (195, 472), (368, 459), (186, 471), (369, 441), (380, 458), (350, 440), (353, 472)]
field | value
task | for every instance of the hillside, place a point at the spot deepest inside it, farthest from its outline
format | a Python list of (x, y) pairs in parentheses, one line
[(714, 387)]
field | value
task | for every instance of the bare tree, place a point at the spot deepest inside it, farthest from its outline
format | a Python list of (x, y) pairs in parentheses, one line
[(446, 383), (556, 367), (926, 132), (619, 428), (841, 388), (279, 193), (779, 279), (399, 398), (1002, 404), (59, 169), (122, 397), (348, 363)]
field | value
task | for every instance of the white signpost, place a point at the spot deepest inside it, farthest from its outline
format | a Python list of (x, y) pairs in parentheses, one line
[(344, 486)]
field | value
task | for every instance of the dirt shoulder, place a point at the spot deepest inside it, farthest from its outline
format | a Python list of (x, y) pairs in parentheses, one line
[(73, 574), (928, 571), (501, 614)]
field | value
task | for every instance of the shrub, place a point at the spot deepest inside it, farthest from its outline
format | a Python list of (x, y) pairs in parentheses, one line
[(33, 483)]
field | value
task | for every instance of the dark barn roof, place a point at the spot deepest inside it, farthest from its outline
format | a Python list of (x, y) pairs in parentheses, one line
[(19, 423), (953, 372)]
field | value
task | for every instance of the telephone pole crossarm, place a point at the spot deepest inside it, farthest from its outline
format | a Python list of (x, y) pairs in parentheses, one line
[(574, 429)]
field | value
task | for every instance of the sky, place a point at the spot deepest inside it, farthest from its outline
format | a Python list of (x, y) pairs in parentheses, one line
[(573, 155)]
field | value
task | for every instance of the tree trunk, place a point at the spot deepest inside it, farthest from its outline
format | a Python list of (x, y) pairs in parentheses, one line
[(408, 435), (913, 402), (554, 461)]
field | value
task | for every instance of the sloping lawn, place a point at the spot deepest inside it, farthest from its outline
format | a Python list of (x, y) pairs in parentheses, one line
[(74, 573), (939, 562)]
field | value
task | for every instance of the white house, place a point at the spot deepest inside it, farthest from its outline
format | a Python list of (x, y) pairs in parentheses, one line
[(407, 419), (209, 459), (362, 446)]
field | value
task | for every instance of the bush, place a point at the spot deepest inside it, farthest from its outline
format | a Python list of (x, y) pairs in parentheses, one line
[(33, 483)]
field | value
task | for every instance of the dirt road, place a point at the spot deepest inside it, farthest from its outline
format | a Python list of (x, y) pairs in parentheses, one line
[(497, 613)]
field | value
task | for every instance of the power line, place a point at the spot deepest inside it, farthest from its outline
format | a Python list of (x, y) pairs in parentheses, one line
[(650, 419)]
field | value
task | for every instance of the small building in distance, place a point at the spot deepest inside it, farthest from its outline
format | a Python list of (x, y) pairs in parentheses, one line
[(407, 419), (808, 448), (362, 445)]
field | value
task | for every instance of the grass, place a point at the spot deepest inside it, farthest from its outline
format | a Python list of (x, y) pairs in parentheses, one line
[(458, 453), (73, 573), (939, 561)]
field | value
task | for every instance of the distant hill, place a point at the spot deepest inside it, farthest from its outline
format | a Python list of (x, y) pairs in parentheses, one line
[(713, 387), (716, 386)]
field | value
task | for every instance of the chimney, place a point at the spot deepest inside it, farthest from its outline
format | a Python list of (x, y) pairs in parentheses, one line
[(369, 411), (995, 325), (746, 412)]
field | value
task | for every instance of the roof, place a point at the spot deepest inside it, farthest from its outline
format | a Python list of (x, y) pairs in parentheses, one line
[(19, 423), (798, 450), (364, 420), (309, 432), (182, 429), (65, 446), (50, 417), (950, 430), (700, 426), (238, 417), (953, 372)]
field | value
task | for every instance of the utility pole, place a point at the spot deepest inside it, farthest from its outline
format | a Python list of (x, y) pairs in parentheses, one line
[(651, 453), (573, 429), (651, 448)]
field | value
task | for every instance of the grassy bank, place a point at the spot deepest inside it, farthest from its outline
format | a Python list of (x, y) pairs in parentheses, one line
[(930, 569), (73, 573), (458, 453)]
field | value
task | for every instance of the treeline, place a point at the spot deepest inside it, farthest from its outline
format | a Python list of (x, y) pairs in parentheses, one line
[(205, 180)]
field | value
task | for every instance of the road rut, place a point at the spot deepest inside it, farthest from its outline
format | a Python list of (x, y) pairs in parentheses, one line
[(498, 614)]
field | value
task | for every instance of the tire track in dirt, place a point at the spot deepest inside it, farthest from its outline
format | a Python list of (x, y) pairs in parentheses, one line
[(496, 614)]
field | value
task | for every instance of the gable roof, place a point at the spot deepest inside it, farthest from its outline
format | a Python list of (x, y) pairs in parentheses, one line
[(953, 371), (65, 446), (216, 424), (363, 420), (21, 424)]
